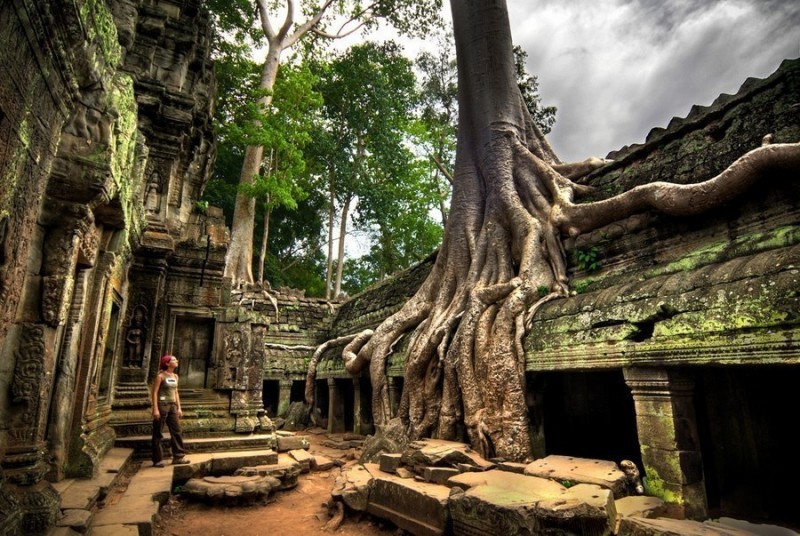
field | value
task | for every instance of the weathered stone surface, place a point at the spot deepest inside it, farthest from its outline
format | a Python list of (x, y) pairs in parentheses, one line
[(584, 509), (287, 472), (323, 463), (638, 506), (287, 443), (439, 453), (418, 507), (231, 489), (353, 486), (302, 457), (77, 519), (498, 503), (439, 475), (638, 526), (389, 462), (570, 469)]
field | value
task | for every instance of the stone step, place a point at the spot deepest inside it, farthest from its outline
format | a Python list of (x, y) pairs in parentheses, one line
[(83, 493), (141, 444)]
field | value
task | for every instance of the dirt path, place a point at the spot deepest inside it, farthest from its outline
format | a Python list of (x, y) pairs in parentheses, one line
[(301, 511)]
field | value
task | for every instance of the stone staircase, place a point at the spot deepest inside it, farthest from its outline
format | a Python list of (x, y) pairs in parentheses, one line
[(88, 507)]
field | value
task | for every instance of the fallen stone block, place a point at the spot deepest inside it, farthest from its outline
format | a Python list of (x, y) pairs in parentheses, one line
[(226, 463), (757, 528), (441, 453), (302, 457), (580, 470), (417, 507), (638, 506), (439, 475), (286, 472), (639, 526), (323, 463), (231, 489), (353, 484), (584, 509), (287, 443), (76, 519), (497, 503), (389, 462)]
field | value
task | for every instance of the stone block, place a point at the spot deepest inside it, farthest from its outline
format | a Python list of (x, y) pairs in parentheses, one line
[(226, 463), (353, 485), (638, 506), (302, 457), (441, 453), (639, 526), (77, 519), (389, 462), (439, 475), (287, 443), (417, 507), (322, 463), (580, 470)]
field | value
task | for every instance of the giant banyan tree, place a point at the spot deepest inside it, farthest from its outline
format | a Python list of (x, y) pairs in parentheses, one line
[(513, 203)]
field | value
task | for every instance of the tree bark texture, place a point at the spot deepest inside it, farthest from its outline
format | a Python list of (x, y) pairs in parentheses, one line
[(513, 201)]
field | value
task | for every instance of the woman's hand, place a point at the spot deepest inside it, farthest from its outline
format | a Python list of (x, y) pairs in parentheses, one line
[(156, 414), (180, 412)]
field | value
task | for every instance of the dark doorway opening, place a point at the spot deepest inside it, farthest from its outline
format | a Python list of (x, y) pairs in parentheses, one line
[(590, 415), (746, 419)]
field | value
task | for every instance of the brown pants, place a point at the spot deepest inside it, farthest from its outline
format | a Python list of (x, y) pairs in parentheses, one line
[(169, 415)]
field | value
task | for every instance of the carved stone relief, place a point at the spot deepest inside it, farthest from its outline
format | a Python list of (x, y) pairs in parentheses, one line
[(135, 338)]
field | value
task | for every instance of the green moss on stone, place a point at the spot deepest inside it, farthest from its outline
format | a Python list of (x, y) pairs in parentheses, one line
[(100, 28), (656, 487)]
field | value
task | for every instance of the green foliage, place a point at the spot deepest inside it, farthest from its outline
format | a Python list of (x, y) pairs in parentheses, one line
[(542, 290), (201, 207), (543, 116), (369, 94), (588, 259), (567, 483), (582, 286)]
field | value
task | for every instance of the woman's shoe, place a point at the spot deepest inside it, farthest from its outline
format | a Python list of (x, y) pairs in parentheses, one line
[(158, 464), (180, 461)]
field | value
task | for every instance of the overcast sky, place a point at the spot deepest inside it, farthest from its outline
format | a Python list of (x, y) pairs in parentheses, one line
[(615, 68)]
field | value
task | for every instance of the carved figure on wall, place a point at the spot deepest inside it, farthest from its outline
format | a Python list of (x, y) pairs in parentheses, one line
[(152, 197), (135, 338), (235, 359)]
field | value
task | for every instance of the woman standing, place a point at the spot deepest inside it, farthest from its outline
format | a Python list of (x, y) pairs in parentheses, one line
[(167, 408)]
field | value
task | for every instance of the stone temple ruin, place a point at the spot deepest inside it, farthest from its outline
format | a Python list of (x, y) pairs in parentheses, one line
[(681, 354)]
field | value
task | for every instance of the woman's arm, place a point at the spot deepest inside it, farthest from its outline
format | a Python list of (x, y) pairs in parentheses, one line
[(178, 397), (156, 387)]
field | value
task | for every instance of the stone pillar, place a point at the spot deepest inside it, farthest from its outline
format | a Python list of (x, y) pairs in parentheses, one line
[(284, 396), (357, 405), (394, 394), (335, 409), (668, 437)]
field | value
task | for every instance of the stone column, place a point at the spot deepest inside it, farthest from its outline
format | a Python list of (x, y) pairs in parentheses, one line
[(357, 405), (668, 438), (284, 396), (335, 413)]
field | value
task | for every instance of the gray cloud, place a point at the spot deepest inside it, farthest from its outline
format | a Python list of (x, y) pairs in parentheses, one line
[(615, 69)]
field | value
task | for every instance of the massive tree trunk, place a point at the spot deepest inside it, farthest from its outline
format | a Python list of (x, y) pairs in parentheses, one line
[(512, 203), (239, 259)]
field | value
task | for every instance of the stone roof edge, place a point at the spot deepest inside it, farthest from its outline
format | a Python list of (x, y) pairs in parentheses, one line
[(678, 126)]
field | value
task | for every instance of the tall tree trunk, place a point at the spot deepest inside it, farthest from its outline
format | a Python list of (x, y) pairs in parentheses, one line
[(239, 259), (329, 272), (340, 256), (262, 258)]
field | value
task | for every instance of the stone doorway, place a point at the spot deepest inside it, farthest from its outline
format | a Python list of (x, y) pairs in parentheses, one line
[(590, 415), (746, 420), (192, 343), (270, 396)]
